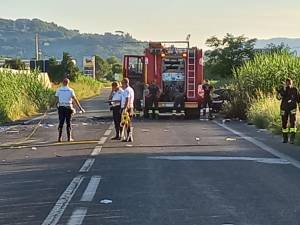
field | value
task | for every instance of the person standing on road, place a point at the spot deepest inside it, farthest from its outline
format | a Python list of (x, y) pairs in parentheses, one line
[(138, 88), (64, 101), (153, 97), (115, 100), (127, 105), (207, 101), (289, 96)]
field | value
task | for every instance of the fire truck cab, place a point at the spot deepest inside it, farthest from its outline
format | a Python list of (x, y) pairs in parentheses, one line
[(177, 71)]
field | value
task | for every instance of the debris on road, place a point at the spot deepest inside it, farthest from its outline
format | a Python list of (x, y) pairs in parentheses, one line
[(34, 148), (106, 201), (84, 124), (226, 121), (166, 130), (56, 155), (12, 132), (197, 139), (145, 130), (262, 130), (230, 139)]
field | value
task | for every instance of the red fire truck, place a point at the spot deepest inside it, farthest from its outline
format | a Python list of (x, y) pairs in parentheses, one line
[(178, 72)]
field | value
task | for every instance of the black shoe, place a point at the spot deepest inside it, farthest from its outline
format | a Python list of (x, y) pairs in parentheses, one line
[(292, 138), (116, 138), (285, 138)]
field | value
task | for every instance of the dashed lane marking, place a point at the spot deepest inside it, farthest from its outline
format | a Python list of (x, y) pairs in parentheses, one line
[(91, 189), (102, 140), (107, 132), (111, 126), (62, 203), (87, 166), (77, 216), (96, 150), (262, 146)]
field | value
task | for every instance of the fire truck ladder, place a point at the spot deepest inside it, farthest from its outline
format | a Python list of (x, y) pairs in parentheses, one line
[(191, 74)]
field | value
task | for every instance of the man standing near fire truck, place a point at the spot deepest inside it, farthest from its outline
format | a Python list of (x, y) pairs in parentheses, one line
[(207, 101), (153, 97), (289, 96)]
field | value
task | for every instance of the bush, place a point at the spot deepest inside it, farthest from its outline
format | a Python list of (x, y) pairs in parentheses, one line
[(264, 112), (22, 94), (261, 76)]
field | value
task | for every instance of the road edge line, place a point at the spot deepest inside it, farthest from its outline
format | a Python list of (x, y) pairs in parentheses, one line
[(262, 146)]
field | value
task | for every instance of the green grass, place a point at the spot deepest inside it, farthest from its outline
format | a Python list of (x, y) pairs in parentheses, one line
[(22, 95), (264, 113), (86, 87)]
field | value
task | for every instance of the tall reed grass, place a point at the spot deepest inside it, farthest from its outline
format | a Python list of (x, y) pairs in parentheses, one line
[(22, 94)]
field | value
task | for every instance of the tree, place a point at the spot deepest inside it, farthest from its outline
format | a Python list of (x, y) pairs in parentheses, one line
[(227, 54), (102, 67), (112, 60), (68, 67)]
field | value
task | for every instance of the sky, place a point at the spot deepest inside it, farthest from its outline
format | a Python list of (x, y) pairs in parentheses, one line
[(166, 19)]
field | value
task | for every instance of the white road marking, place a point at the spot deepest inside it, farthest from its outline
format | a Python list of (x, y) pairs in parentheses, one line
[(96, 150), (262, 146), (62, 203), (111, 126), (221, 158), (87, 166), (107, 132), (77, 216), (91, 189), (102, 140)]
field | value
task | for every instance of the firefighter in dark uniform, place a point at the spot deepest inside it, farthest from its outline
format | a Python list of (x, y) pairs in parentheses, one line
[(207, 101), (289, 97), (65, 96), (153, 98), (115, 99)]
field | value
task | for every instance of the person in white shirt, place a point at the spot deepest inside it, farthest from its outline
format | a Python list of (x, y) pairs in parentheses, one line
[(64, 101), (115, 101), (127, 104)]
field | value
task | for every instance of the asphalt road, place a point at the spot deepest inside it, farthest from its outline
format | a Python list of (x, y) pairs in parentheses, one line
[(176, 172)]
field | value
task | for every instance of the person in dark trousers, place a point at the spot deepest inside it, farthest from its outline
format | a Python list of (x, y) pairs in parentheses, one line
[(153, 97), (207, 101), (290, 98), (138, 88), (127, 105), (115, 101), (65, 96)]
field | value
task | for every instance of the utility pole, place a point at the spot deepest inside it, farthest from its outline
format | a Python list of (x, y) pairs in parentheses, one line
[(37, 51)]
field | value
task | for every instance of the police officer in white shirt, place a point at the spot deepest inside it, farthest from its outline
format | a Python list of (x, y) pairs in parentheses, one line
[(127, 104), (64, 101), (115, 100)]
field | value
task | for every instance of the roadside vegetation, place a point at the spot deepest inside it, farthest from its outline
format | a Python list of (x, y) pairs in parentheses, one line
[(253, 76), (23, 94)]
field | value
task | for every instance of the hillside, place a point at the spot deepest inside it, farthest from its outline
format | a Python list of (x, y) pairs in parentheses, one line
[(17, 40), (293, 43)]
